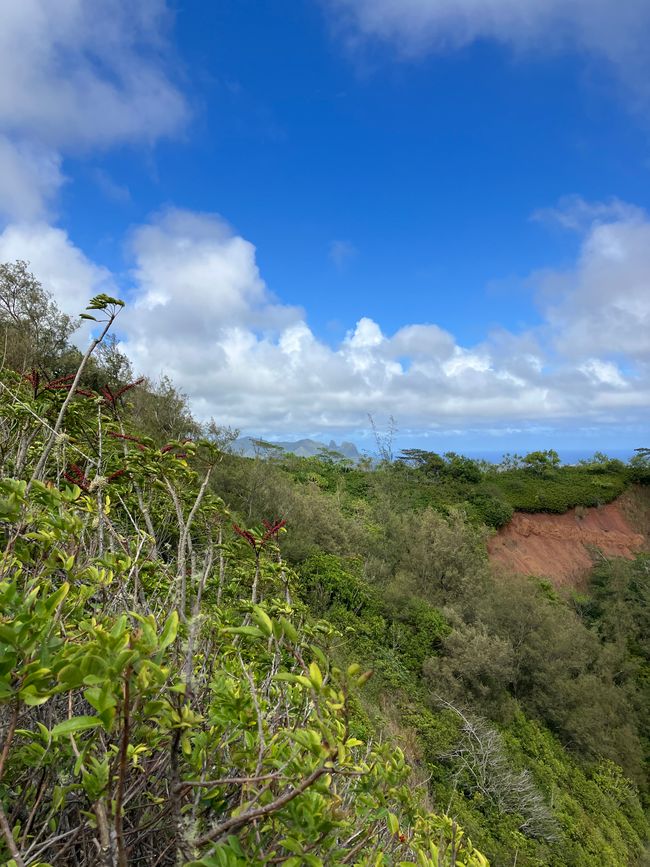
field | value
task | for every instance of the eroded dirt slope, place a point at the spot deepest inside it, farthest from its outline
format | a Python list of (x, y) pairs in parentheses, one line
[(564, 547)]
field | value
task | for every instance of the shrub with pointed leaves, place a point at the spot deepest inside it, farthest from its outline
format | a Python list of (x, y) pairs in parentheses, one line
[(152, 710)]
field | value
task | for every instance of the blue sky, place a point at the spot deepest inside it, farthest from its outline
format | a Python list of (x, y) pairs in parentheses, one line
[(319, 209)]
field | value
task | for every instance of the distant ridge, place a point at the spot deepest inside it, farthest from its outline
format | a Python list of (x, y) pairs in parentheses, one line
[(306, 448)]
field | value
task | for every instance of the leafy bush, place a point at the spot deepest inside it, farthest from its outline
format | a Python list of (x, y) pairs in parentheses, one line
[(566, 488), (162, 698), (103, 707), (176, 689), (491, 510)]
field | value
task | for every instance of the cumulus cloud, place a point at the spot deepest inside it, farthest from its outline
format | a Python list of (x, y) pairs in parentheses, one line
[(60, 266), (200, 311), (203, 314), (613, 31), (602, 304), (75, 77)]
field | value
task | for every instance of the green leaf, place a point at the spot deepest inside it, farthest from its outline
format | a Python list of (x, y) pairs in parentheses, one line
[(294, 678), (8, 634), (102, 301), (263, 620), (250, 631), (76, 724), (70, 493), (58, 597), (170, 629), (100, 699), (393, 823), (315, 675), (289, 629), (291, 845), (320, 656), (235, 845), (32, 697), (120, 626)]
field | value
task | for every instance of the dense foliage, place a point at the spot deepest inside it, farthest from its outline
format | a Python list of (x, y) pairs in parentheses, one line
[(163, 698), (181, 630)]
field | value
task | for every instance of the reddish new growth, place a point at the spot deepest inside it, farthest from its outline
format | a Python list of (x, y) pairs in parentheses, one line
[(168, 448), (272, 529), (61, 383), (34, 379), (121, 436), (111, 397), (75, 475), (64, 383), (245, 534)]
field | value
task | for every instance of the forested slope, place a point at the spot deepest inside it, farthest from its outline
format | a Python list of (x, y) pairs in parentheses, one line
[(209, 659)]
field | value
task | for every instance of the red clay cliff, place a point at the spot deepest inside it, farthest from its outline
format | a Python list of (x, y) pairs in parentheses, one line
[(564, 547)]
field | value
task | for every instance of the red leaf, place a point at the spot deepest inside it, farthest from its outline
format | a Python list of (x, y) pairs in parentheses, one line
[(245, 534)]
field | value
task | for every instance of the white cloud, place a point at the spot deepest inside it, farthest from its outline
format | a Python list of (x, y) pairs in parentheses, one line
[(602, 304), (204, 315), (30, 178), (79, 77), (613, 31), (603, 372), (60, 266), (200, 312), (575, 213), (187, 262), (74, 77)]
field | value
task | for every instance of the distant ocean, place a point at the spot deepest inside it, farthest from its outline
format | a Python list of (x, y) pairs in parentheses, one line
[(567, 456)]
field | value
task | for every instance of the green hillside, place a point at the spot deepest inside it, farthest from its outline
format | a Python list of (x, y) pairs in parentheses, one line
[(208, 659)]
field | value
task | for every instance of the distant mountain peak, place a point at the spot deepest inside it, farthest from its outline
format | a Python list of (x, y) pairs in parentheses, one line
[(305, 448)]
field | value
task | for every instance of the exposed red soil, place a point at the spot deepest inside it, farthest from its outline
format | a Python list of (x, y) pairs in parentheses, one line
[(564, 547)]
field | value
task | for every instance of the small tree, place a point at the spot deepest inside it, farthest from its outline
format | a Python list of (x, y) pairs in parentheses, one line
[(34, 332), (640, 466), (542, 462)]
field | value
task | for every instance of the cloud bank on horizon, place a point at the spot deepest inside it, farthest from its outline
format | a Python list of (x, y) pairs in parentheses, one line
[(199, 309)]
